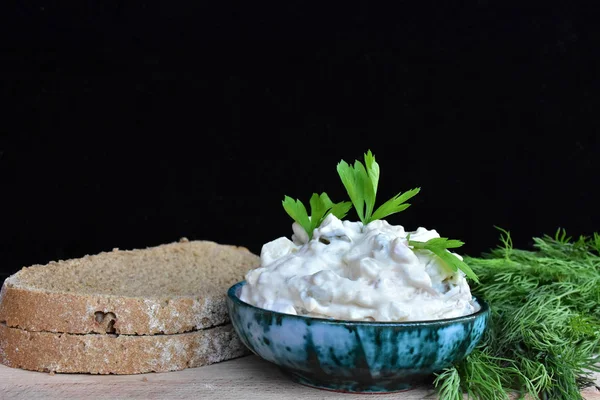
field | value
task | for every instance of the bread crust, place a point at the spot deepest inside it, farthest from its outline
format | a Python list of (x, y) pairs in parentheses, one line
[(38, 310), (117, 354), (72, 313)]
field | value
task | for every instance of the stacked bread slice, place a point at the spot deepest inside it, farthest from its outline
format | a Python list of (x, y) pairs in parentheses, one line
[(157, 309)]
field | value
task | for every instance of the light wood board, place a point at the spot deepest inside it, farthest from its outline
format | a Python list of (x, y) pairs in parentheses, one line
[(243, 378)]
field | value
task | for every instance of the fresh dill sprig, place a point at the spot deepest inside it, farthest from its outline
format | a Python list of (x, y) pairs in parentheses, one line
[(447, 383), (544, 334)]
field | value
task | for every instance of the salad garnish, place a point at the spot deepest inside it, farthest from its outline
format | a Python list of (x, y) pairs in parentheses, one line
[(361, 182)]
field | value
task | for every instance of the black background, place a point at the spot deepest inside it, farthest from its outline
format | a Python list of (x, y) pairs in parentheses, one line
[(131, 124)]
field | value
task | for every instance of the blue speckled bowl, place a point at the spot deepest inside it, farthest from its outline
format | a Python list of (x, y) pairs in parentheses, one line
[(355, 356)]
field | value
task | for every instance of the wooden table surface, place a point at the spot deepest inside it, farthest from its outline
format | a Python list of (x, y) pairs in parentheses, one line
[(243, 378)]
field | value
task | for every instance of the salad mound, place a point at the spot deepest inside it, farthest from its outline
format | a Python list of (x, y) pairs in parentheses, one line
[(365, 270), (351, 271)]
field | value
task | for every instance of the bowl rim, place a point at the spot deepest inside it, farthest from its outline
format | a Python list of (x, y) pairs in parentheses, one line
[(483, 309)]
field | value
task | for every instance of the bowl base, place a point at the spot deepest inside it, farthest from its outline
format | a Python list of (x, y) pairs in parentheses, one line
[(350, 386)]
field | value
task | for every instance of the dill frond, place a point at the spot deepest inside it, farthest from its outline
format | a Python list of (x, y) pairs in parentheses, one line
[(544, 333)]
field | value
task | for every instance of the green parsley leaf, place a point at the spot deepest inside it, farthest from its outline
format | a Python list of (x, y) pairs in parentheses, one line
[(297, 211), (395, 204), (339, 210), (439, 247), (320, 207), (361, 184), (373, 177), (354, 180)]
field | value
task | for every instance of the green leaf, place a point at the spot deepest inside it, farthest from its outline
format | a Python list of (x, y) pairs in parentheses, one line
[(320, 207), (353, 186), (395, 204), (444, 243), (361, 182), (439, 247), (297, 211), (456, 263), (363, 187), (372, 169), (341, 209)]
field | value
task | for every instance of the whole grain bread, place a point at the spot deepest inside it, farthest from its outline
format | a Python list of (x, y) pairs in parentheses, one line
[(172, 288), (117, 354)]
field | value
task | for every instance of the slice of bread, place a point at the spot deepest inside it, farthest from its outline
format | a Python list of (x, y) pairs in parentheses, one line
[(172, 288), (117, 354)]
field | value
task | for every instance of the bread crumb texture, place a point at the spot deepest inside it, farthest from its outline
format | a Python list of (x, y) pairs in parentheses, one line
[(176, 269), (172, 288), (117, 354)]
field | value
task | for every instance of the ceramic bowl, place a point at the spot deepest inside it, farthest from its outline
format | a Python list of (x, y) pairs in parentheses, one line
[(355, 356)]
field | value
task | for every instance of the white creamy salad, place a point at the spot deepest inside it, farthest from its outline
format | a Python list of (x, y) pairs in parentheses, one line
[(351, 271)]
